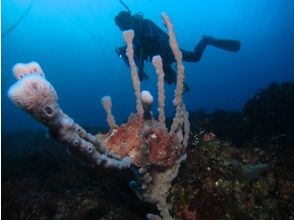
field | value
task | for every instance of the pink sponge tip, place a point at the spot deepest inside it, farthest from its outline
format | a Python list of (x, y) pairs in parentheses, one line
[(107, 104), (20, 70)]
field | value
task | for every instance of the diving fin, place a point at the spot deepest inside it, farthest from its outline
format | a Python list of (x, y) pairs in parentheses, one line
[(230, 45)]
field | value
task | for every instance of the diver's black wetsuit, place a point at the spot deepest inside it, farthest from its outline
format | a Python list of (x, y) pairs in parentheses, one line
[(150, 40)]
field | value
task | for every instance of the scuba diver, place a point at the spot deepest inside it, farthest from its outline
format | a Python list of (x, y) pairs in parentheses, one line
[(151, 40)]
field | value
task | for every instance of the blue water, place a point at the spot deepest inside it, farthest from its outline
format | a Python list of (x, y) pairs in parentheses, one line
[(74, 43)]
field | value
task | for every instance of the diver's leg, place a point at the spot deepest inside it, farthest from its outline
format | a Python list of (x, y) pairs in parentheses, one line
[(170, 76), (195, 56), (225, 44), (230, 45), (186, 88)]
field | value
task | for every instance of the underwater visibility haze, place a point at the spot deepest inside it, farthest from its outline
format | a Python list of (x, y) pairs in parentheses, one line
[(222, 147), (75, 41)]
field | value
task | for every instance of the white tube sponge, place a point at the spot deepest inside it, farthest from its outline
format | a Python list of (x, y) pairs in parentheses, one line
[(157, 63), (147, 100), (178, 100), (178, 56), (128, 37), (107, 105)]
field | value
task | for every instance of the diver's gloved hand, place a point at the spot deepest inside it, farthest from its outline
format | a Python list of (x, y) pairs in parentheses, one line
[(121, 51)]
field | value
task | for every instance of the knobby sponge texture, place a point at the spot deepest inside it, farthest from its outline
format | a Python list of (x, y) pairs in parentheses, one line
[(34, 94)]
